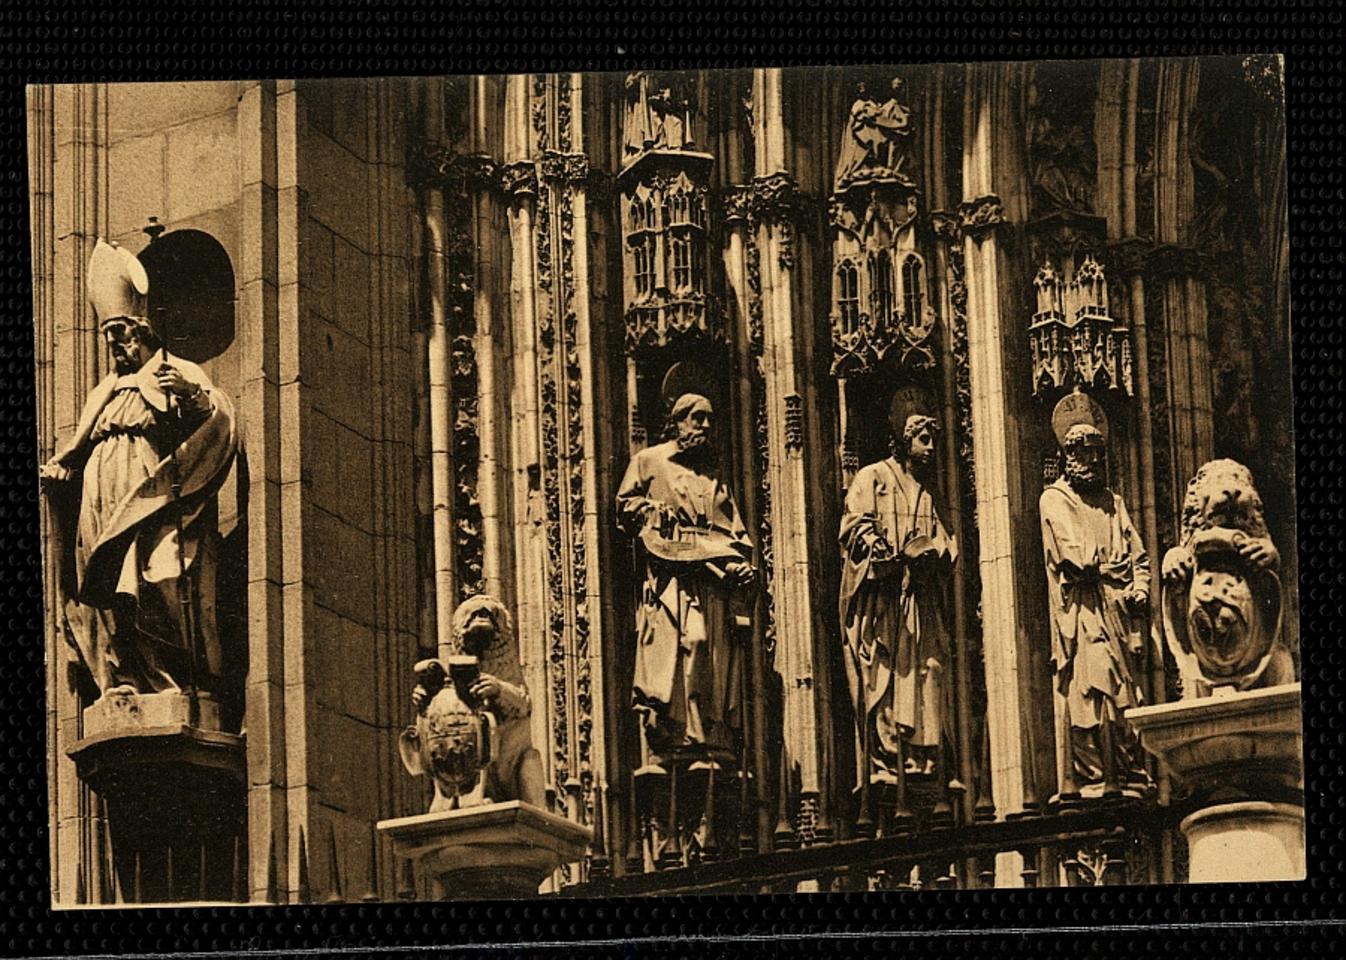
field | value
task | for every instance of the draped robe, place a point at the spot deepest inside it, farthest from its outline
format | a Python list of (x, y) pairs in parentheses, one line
[(687, 663), (895, 620), (122, 605), (1094, 558)]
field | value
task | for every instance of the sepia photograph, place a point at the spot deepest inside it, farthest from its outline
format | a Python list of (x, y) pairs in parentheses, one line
[(665, 482)]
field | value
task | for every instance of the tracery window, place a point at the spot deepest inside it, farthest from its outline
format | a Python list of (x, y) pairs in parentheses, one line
[(848, 294), (913, 293), (881, 286)]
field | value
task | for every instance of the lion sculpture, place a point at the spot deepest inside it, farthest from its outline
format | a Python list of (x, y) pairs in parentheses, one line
[(485, 675), (1222, 590)]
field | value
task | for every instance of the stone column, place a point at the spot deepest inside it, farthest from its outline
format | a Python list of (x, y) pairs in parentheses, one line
[(520, 184), (1005, 435), (259, 406), (776, 205), (1182, 289)]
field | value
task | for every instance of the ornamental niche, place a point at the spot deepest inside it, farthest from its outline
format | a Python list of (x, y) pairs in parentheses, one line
[(664, 214), (882, 318), (1073, 339)]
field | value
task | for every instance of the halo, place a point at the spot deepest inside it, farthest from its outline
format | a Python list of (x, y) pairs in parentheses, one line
[(688, 376), (907, 402), (1076, 408)]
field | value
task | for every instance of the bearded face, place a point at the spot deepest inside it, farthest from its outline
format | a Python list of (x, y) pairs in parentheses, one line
[(129, 348), (1085, 464), (693, 429)]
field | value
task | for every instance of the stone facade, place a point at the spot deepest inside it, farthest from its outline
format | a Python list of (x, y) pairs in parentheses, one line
[(448, 339)]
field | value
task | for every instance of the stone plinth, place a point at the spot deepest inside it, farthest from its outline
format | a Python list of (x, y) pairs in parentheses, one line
[(170, 790), (1238, 758), (493, 851), (128, 712)]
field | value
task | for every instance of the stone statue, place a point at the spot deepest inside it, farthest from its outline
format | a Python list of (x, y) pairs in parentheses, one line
[(692, 553), (472, 734), (154, 443), (1098, 587), (897, 560), (1222, 592), (873, 144)]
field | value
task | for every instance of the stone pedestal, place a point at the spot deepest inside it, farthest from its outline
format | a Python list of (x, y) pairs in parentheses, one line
[(1237, 759), (172, 794), (500, 850)]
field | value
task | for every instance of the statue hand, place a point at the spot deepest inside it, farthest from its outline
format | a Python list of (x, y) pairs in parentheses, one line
[(740, 571), (486, 688), (53, 471), (1137, 601), (1260, 552), (172, 381), (916, 548), (418, 697), (1178, 564)]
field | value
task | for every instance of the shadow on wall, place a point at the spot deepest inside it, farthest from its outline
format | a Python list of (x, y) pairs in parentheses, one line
[(191, 293)]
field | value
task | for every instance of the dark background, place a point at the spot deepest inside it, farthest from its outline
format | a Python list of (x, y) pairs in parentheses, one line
[(60, 42)]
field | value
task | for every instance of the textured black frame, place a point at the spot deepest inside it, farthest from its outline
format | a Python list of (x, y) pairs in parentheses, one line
[(56, 42)]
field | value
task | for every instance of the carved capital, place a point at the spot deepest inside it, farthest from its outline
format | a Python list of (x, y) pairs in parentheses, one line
[(946, 226), (980, 216), (567, 167), (519, 179), (776, 197), (736, 203)]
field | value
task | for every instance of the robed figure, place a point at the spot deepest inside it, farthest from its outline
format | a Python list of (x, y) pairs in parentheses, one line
[(874, 141), (692, 555), (1098, 587), (897, 559), (154, 444)]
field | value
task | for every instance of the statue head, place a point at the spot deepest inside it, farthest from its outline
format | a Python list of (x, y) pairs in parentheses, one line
[(915, 429), (690, 423), (482, 626), (131, 340), (118, 288), (1222, 494), (1081, 430)]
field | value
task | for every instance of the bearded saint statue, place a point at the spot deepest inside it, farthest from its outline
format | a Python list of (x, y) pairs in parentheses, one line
[(1098, 588), (692, 553), (154, 443), (897, 560)]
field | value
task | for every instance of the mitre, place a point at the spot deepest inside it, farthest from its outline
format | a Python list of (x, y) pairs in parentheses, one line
[(117, 283)]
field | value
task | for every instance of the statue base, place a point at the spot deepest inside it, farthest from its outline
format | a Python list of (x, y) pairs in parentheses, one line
[(1237, 757), (129, 711), (500, 850), (174, 800)]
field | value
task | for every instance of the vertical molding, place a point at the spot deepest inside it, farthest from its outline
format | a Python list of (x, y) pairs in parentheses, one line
[(796, 624), (439, 385), (994, 197), (490, 343), (1183, 291), (519, 180), (296, 592), (590, 599), (259, 408)]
